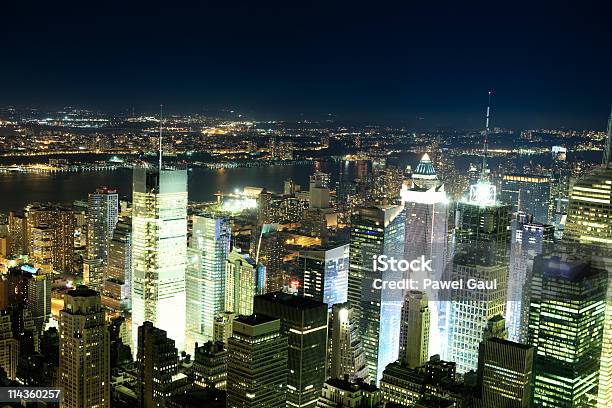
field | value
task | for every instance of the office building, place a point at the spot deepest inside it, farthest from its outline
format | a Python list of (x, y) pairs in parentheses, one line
[(257, 363), (17, 234), (530, 194), (210, 365), (244, 279), (376, 231), (31, 287), (159, 251), (84, 372), (117, 292), (157, 366), (428, 235), (62, 223), (102, 216), (208, 250), (566, 325), (346, 356), (342, 393), (9, 346), (415, 330), (324, 274), (506, 373), (304, 322), (528, 240), (43, 247), (481, 254), (588, 222)]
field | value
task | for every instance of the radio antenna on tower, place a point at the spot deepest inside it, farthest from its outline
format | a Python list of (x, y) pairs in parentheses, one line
[(161, 112), (485, 149)]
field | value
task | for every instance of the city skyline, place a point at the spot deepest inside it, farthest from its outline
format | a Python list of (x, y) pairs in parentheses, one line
[(398, 206)]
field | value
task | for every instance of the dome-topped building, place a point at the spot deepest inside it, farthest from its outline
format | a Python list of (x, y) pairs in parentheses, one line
[(424, 176)]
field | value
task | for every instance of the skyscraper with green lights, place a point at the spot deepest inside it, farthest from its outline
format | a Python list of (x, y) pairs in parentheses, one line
[(566, 324)]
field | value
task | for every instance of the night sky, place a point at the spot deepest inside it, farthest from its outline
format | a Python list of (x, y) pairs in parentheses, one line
[(549, 63)]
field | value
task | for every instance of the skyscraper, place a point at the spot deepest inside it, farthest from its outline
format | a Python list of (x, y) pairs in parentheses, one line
[(117, 292), (414, 331), (102, 216), (566, 325), (17, 234), (9, 346), (506, 374), (84, 371), (61, 224), (243, 280), (159, 251), (346, 356), (481, 255), (324, 274), (208, 250), (376, 231), (31, 287), (588, 223), (528, 193), (428, 235), (257, 363), (157, 364), (528, 240), (304, 322)]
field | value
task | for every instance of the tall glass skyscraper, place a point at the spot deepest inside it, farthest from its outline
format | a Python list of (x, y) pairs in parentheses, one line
[(528, 193), (481, 253), (588, 223), (528, 240), (566, 325), (324, 274), (159, 251), (376, 231), (205, 282), (428, 235)]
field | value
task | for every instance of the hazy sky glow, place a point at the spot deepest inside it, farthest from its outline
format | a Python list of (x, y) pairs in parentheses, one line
[(548, 63)]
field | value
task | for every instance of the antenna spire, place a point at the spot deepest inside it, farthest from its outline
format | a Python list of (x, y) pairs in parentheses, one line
[(161, 113), (607, 153), (485, 149)]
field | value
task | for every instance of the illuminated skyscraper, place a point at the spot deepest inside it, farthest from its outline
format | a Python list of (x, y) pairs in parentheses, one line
[(346, 356), (428, 235), (84, 371), (43, 247), (257, 363), (205, 282), (31, 287), (62, 221), (528, 240), (414, 331), (588, 223), (17, 234), (506, 374), (159, 251), (529, 194), (481, 253), (243, 280), (566, 325), (324, 274), (102, 210), (376, 231), (117, 292), (157, 364), (482, 246), (304, 322)]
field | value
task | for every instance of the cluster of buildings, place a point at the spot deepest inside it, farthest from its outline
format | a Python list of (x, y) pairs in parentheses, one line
[(161, 305)]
